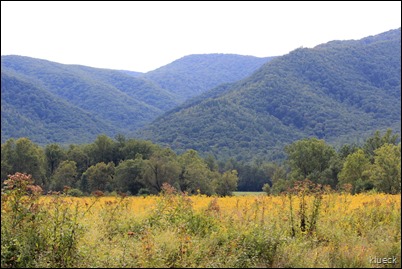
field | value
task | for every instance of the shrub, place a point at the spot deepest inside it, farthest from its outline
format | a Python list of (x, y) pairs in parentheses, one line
[(75, 193)]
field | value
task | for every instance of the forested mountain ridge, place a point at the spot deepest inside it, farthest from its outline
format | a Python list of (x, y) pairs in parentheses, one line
[(20, 119), (194, 74), (339, 91), (117, 101), (113, 98)]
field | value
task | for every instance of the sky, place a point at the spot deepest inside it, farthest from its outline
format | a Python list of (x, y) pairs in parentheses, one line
[(142, 36)]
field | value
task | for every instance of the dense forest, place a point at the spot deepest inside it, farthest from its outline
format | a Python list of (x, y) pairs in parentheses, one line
[(194, 74), (140, 167), (340, 91), (56, 103)]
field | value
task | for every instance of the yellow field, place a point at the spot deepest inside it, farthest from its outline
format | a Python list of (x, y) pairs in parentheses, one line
[(336, 205), (175, 230)]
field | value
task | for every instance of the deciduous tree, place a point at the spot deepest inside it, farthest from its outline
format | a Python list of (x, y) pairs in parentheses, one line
[(64, 175), (385, 173), (354, 171), (309, 158)]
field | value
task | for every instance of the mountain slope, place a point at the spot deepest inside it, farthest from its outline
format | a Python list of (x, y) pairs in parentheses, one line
[(119, 101), (339, 91), (19, 118), (194, 74), (116, 98)]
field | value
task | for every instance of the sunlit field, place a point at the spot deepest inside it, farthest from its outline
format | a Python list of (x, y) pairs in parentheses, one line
[(176, 230)]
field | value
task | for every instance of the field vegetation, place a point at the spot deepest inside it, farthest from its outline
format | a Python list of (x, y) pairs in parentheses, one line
[(307, 226)]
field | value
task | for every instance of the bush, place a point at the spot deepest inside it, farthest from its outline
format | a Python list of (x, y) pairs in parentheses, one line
[(143, 192), (75, 193), (34, 233), (266, 188)]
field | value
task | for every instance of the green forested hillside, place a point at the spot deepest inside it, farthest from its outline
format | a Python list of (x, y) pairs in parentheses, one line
[(118, 101), (31, 111), (341, 92), (194, 74), (114, 98)]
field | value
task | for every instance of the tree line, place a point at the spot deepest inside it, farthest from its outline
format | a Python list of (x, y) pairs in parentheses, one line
[(121, 165), (141, 167)]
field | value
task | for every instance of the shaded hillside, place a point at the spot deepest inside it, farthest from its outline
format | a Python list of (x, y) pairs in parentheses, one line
[(339, 91), (116, 97), (30, 111), (194, 74), (119, 101)]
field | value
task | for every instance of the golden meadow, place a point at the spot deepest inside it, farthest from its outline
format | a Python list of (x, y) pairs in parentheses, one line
[(300, 229)]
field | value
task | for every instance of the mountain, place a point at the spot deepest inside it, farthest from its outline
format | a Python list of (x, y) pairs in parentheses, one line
[(41, 121), (194, 74), (114, 101), (341, 91), (112, 97)]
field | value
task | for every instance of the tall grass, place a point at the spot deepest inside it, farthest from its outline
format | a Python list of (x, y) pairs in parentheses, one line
[(310, 229)]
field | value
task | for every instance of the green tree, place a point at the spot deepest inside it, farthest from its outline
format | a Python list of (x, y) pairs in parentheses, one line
[(23, 156), (102, 150), (64, 175), (211, 162), (282, 185), (161, 167), (385, 173), (100, 176), (7, 155), (55, 154), (77, 154), (132, 148), (347, 149), (354, 171), (194, 176), (331, 175), (266, 188), (376, 141), (251, 176), (274, 171), (278, 177), (309, 158), (227, 183), (128, 175), (119, 145)]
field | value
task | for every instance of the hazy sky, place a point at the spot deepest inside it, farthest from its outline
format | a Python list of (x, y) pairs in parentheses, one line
[(142, 36)]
